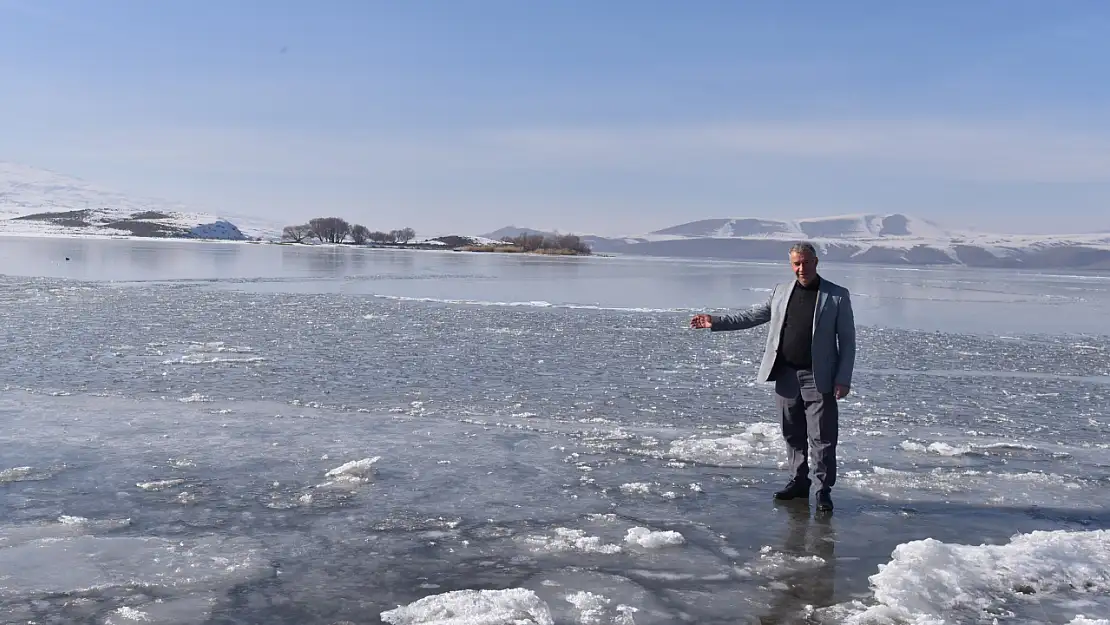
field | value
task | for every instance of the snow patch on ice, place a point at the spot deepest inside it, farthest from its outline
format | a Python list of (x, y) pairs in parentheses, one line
[(593, 609), (758, 443), (648, 539), (131, 614), (928, 581), (567, 539), (945, 449), (513, 606), (156, 485), (15, 474), (356, 468), (348, 475)]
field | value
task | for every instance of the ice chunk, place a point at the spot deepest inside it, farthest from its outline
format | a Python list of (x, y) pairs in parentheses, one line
[(160, 484), (641, 488), (594, 609), (756, 445), (352, 474), (355, 468), (566, 539), (514, 606), (648, 539), (935, 582), (24, 474)]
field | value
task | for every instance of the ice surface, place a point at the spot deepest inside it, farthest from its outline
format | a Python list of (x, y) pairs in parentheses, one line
[(349, 454)]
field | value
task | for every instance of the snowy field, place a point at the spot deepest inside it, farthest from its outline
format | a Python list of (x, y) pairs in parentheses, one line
[(396, 437)]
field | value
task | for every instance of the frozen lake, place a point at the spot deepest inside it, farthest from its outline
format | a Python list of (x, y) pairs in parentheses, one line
[(238, 433)]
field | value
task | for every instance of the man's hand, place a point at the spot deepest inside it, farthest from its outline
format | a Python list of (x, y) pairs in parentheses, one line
[(701, 322), (841, 391)]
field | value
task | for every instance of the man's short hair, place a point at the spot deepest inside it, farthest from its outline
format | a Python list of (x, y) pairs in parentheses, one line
[(803, 247)]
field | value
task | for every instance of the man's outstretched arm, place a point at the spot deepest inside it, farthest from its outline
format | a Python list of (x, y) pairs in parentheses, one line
[(754, 316)]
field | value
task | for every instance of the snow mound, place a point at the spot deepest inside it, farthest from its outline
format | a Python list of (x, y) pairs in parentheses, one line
[(221, 229), (928, 581), (514, 606)]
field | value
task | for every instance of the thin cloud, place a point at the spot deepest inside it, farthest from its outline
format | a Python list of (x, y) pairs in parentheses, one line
[(963, 151), (987, 152)]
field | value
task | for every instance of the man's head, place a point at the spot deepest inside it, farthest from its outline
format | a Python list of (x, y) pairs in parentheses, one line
[(803, 260)]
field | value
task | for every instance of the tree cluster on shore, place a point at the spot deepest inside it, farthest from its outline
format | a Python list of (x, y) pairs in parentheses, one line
[(338, 230), (542, 244)]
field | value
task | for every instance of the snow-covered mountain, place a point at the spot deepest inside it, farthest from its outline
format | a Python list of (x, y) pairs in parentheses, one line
[(869, 238), (843, 227), (40, 202)]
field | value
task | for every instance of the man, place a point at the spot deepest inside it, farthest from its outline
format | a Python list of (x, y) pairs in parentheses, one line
[(810, 353)]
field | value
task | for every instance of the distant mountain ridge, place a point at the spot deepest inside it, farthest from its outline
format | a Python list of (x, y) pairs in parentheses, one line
[(843, 227), (36, 201), (889, 239)]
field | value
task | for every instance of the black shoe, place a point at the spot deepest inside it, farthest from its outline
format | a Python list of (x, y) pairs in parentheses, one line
[(824, 501), (794, 490)]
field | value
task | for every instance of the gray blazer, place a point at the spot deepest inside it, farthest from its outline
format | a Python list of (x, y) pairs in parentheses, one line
[(834, 332)]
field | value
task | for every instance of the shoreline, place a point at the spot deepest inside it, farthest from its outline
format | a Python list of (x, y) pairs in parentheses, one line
[(1055, 272), (391, 246), (410, 247)]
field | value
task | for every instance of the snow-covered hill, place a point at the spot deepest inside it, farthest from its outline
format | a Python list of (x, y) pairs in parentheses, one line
[(40, 202), (870, 238)]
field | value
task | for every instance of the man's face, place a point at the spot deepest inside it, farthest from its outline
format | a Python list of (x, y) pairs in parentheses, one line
[(804, 266)]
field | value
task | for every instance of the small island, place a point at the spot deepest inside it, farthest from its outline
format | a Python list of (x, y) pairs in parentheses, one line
[(560, 245), (338, 231)]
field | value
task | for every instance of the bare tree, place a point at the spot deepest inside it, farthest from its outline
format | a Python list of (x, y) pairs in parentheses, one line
[(296, 234), (330, 229), (359, 234), (404, 235), (382, 237)]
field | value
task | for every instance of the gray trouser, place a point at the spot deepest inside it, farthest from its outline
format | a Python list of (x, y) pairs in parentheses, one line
[(808, 416)]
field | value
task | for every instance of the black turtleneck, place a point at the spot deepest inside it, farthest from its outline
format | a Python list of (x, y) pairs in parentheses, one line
[(796, 344)]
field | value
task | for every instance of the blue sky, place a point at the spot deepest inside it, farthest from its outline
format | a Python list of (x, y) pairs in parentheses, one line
[(609, 117)]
